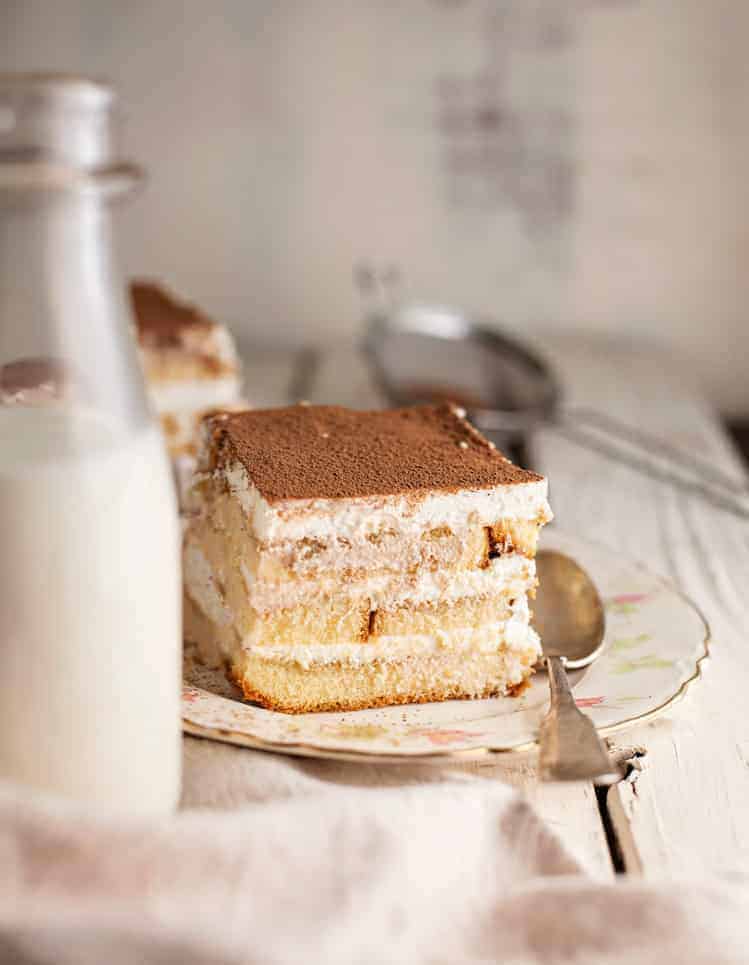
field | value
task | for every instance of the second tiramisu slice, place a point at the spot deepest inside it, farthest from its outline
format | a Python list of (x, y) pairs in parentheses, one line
[(189, 361), (342, 559)]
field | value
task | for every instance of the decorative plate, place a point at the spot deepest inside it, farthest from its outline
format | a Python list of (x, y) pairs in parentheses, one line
[(656, 640)]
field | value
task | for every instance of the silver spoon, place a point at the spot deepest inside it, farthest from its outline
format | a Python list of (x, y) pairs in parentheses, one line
[(569, 617)]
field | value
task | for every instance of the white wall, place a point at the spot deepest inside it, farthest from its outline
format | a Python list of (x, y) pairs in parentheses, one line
[(570, 164)]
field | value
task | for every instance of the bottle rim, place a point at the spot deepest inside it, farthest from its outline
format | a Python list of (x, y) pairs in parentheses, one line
[(85, 91), (44, 178)]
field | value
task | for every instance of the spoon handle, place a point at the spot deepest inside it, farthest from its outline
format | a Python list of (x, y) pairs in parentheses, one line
[(571, 750)]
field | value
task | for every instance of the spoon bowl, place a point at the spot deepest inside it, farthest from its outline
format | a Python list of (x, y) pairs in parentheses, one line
[(568, 611)]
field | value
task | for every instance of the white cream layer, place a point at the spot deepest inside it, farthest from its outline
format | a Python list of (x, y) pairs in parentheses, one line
[(226, 349), (513, 635), (192, 395), (356, 518), (200, 582), (513, 573)]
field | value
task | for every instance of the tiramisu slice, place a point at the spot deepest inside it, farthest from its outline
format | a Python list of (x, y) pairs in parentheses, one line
[(190, 363), (342, 559)]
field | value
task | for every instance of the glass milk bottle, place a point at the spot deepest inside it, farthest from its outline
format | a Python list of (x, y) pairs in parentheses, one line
[(90, 631)]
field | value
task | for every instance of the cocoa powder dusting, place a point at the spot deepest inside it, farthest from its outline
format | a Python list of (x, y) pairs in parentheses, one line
[(162, 320), (328, 452)]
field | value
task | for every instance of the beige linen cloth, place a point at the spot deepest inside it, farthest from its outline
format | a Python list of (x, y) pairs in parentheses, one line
[(280, 860)]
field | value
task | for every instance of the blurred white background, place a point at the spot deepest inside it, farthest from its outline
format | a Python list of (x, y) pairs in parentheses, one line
[(570, 165)]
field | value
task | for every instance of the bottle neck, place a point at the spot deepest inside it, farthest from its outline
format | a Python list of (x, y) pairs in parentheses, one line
[(62, 298)]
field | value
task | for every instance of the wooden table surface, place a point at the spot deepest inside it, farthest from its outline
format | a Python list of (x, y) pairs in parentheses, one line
[(685, 812)]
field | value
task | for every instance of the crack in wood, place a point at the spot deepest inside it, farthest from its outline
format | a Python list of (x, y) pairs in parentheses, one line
[(625, 857)]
